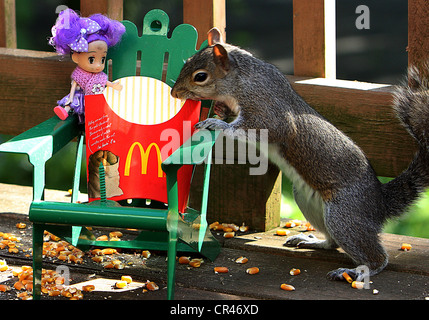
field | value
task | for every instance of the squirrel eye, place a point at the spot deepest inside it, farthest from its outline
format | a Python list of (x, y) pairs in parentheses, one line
[(200, 77)]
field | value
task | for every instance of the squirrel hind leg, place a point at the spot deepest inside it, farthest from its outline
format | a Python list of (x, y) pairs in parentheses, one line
[(358, 238), (359, 273)]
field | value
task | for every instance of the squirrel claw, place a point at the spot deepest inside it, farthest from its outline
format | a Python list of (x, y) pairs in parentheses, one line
[(300, 240), (212, 124), (337, 274)]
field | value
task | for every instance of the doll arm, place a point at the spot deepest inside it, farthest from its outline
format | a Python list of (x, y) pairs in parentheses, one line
[(115, 85)]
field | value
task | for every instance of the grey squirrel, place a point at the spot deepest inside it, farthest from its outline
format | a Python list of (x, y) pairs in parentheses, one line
[(335, 186)]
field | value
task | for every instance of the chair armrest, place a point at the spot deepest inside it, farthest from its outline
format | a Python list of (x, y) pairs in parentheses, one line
[(195, 150), (40, 143), (43, 140)]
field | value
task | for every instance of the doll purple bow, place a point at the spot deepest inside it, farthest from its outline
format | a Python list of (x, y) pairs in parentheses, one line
[(88, 27)]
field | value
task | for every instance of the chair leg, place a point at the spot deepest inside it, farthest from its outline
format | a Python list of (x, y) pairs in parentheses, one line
[(171, 264), (172, 224), (38, 230)]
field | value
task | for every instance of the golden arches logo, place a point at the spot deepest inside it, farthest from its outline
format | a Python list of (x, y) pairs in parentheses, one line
[(144, 158)]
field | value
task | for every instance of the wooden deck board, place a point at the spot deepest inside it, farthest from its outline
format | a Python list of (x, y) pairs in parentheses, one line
[(406, 276)]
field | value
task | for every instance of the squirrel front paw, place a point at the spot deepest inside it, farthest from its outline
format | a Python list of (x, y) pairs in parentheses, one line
[(212, 124)]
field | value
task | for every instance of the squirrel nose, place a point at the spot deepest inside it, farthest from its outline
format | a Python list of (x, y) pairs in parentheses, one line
[(174, 93)]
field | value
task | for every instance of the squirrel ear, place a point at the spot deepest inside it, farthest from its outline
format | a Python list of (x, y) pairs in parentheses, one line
[(221, 57), (214, 36)]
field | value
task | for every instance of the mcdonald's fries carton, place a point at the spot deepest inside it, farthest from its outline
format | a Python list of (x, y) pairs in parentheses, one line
[(132, 132)]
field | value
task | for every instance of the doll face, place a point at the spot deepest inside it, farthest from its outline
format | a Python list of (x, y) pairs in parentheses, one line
[(93, 60)]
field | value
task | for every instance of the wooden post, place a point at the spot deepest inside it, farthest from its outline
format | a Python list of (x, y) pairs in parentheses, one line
[(418, 33), (114, 9), (314, 38), (7, 24), (204, 15)]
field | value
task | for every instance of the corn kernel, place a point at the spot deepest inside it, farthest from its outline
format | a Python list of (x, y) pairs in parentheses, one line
[(66, 294), (406, 247), (127, 279), (221, 270), (54, 293), (241, 260), (4, 288), (88, 288), (59, 280), (282, 232), (108, 251), (184, 260), (18, 285), (309, 227), (62, 257), (253, 270), (229, 235), (96, 252), (13, 250), (119, 266), (146, 254), (97, 259), (213, 225), (287, 287), (357, 284), (78, 295), (294, 272), (115, 234), (121, 284), (195, 263), (21, 225), (22, 295), (152, 286), (347, 277), (29, 286), (109, 265), (243, 228)]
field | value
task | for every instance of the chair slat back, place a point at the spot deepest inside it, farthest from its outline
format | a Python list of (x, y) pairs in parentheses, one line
[(157, 49)]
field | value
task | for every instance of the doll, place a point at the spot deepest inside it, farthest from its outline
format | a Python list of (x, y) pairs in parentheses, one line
[(87, 41)]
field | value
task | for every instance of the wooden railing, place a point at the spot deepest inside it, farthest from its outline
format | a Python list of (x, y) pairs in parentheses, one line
[(30, 80)]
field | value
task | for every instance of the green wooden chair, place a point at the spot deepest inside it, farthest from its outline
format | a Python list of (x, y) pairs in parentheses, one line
[(161, 229)]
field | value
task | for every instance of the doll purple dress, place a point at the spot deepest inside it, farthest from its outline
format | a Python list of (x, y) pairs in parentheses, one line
[(88, 83)]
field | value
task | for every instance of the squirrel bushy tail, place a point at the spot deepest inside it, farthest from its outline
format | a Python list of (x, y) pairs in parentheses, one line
[(411, 103)]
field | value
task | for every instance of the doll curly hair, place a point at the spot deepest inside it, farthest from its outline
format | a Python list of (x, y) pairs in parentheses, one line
[(72, 33)]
